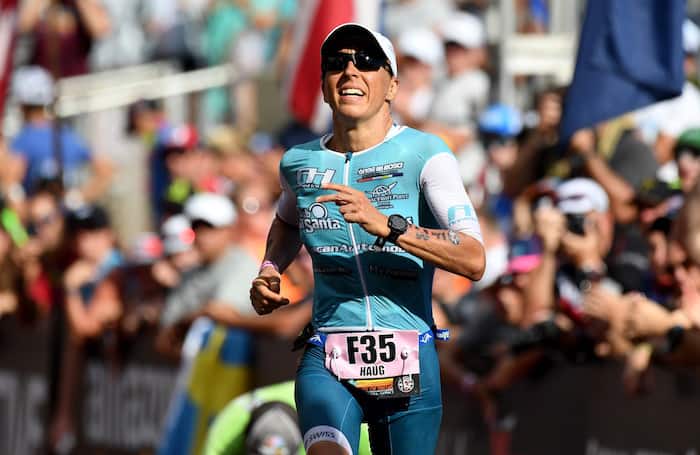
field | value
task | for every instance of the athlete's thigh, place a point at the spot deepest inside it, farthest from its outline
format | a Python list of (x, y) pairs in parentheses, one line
[(415, 431), (327, 411)]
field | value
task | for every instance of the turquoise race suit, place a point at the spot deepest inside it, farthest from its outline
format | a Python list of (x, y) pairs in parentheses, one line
[(360, 287)]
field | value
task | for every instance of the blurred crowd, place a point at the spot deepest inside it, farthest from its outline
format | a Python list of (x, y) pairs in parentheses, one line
[(592, 244)]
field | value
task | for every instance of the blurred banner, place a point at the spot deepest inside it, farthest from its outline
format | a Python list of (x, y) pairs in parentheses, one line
[(315, 20), (8, 26), (630, 55), (25, 385)]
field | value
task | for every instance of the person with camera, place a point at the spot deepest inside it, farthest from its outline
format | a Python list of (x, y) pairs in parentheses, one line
[(378, 206), (575, 229)]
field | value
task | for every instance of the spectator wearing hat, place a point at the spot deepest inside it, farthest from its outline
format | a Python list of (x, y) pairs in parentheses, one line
[(576, 235), (84, 176), (420, 54), (687, 155), (179, 254), (219, 287), (223, 278), (464, 93), (499, 127)]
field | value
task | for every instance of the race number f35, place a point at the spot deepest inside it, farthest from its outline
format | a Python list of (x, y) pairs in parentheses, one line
[(371, 355)]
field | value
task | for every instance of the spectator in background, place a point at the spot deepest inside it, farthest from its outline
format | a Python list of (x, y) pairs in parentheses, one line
[(479, 362), (179, 145), (421, 53), (97, 257), (464, 93), (686, 153), (620, 162), (575, 235), (179, 254), (47, 254), (15, 281), (172, 32), (250, 35), (407, 15), (237, 162), (148, 125), (539, 152), (179, 259), (35, 144), (499, 127), (265, 43), (222, 280), (63, 32), (89, 317), (125, 44), (664, 122)]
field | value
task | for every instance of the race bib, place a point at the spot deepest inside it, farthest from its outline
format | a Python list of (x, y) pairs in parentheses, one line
[(382, 364)]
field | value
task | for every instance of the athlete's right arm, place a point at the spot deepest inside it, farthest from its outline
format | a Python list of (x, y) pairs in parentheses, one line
[(283, 244)]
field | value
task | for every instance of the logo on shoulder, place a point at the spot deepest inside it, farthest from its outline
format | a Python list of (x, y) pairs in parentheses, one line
[(459, 214), (425, 337), (315, 218), (311, 177)]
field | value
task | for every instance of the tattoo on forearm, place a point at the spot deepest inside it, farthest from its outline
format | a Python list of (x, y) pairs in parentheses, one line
[(453, 236), (422, 234), (440, 235), (425, 234)]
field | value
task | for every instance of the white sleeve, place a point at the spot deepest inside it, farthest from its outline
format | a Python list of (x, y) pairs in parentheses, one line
[(446, 196), (287, 206)]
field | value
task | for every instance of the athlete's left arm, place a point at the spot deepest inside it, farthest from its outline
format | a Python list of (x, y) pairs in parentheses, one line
[(457, 249)]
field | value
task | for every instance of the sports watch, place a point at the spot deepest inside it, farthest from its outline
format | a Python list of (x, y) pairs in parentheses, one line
[(397, 225)]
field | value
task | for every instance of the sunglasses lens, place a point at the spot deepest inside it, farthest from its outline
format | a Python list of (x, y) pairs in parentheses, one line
[(335, 62), (361, 60), (365, 62)]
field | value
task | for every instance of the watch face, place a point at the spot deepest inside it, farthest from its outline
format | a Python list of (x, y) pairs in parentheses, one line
[(398, 223)]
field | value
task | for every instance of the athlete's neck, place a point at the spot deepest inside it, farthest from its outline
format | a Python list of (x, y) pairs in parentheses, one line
[(356, 136)]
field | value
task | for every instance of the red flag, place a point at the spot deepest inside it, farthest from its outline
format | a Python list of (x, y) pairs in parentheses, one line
[(315, 21), (8, 28)]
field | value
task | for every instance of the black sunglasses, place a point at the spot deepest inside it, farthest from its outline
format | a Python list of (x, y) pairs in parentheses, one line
[(362, 61)]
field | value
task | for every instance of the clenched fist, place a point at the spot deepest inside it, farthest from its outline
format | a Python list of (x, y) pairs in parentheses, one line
[(265, 291)]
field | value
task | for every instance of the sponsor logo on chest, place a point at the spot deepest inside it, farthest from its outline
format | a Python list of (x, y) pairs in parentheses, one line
[(311, 177), (382, 195), (315, 218), (380, 172)]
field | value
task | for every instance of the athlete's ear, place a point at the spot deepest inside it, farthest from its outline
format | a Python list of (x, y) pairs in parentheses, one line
[(393, 89)]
